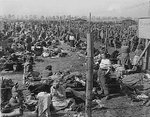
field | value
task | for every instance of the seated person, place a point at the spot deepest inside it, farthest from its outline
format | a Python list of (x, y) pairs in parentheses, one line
[(13, 57), (14, 100), (59, 100), (33, 75)]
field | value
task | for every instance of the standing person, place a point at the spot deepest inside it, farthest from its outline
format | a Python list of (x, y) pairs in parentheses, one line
[(77, 36), (134, 42), (72, 40), (103, 73), (125, 57), (102, 36), (27, 69), (115, 41), (28, 43), (138, 52)]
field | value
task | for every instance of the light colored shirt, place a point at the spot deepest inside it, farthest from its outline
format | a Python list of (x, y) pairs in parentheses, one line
[(71, 38), (105, 64)]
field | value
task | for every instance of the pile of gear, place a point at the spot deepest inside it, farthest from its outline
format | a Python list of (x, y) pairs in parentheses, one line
[(13, 62)]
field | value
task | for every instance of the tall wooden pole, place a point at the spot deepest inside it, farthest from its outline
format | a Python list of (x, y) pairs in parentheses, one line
[(106, 39), (89, 75), (60, 21), (147, 46), (147, 55), (24, 73), (98, 34), (69, 24)]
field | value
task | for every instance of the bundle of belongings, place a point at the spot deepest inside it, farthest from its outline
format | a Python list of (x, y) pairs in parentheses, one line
[(81, 45), (54, 52), (41, 47), (81, 53), (136, 86), (38, 82), (14, 62), (46, 52), (133, 84), (35, 76), (65, 89), (37, 50)]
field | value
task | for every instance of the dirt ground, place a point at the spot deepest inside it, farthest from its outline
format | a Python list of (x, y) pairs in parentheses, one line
[(119, 106)]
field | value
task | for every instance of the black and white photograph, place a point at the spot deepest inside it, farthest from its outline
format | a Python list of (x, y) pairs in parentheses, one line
[(74, 58)]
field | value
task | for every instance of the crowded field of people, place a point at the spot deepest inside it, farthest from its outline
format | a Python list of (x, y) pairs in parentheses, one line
[(43, 67)]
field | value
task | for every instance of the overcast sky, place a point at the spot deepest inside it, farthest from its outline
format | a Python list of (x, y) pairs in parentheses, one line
[(133, 8)]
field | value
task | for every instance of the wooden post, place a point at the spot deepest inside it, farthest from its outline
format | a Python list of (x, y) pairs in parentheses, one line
[(89, 75), (60, 21), (106, 39), (147, 54), (24, 74), (98, 34), (147, 46), (69, 24)]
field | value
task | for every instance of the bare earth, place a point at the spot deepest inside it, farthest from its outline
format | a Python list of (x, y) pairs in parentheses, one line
[(116, 107)]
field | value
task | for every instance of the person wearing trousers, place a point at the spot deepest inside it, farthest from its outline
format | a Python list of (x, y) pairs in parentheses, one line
[(103, 74)]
